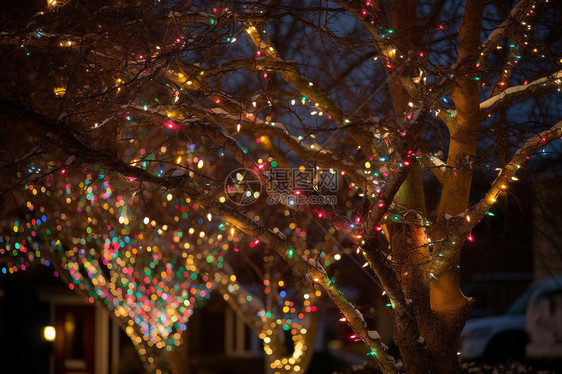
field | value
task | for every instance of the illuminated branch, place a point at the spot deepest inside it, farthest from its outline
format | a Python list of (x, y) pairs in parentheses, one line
[(503, 81), (253, 312), (231, 114), (291, 74), (437, 167), (448, 116), (373, 17), (232, 146), (393, 288), (506, 98), (314, 153), (192, 78), (310, 271), (459, 226), (508, 172), (506, 28), (376, 12)]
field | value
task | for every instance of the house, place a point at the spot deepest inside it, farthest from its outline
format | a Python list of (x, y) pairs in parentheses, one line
[(89, 341)]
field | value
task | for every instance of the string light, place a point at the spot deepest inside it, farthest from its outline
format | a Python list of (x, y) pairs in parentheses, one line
[(121, 250)]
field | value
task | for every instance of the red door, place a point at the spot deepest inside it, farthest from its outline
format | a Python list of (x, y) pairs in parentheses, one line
[(74, 342)]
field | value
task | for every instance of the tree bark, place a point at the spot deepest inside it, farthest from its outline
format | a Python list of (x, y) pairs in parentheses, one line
[(438, 307)]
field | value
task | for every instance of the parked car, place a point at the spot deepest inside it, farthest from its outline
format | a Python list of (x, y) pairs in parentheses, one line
[(544, 325), (504, 337)]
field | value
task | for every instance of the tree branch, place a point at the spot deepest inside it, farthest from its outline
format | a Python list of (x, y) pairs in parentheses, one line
[(292, 75), (311, 271), (515, 16), (435, 165), (505, 176), (506, 98)]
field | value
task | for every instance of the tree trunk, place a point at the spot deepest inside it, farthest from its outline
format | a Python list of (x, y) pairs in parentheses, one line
[(440, 340), (428, 336)]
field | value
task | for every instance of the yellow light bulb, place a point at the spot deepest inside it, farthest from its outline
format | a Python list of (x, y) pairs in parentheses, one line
[(49, 333)]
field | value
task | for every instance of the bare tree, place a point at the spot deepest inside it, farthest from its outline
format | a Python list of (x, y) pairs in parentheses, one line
[(383, 96)]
